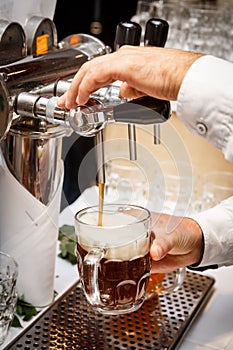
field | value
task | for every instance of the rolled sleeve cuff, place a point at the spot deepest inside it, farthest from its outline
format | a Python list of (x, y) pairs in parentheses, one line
[(217, 227)]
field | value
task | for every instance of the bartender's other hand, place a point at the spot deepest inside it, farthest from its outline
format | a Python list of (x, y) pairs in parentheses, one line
[(178, 242), (153, 71)]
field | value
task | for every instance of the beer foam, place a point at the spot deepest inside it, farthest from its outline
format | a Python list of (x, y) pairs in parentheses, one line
[(123, 237)]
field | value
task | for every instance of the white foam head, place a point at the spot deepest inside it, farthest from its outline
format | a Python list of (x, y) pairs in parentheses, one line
[(121, 234)]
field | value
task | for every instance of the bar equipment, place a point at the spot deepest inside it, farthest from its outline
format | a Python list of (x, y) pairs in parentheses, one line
[(32, 127), (129, 33), (160, 323), (13, 44), (31, 167), (156, 32)]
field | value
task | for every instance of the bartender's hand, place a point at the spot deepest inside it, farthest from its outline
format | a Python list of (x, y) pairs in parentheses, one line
[(153, 71), (178, 242)]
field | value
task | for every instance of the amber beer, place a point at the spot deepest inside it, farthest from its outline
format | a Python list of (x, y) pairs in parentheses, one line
[(120, 282), (114, 257)]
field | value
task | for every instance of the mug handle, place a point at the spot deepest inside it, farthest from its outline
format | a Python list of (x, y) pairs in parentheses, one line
[(90, 275), (178, 281)]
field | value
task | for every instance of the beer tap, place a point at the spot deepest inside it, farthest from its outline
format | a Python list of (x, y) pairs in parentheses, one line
[(129, 33), (90, 119), (156, 35)]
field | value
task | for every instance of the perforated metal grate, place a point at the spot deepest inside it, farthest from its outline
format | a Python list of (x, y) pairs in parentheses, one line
[(159, 324)]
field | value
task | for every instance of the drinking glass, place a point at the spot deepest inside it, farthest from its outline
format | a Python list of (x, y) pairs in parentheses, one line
[(131, 183), (113, 259), (217, 186), (8, 294), (180, 187)]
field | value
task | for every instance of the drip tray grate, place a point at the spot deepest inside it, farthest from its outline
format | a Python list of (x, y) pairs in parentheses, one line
[(159, 324)]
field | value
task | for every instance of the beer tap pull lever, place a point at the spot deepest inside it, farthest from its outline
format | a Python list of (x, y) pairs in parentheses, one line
[(156, 35), (91, 118), (129, 33)]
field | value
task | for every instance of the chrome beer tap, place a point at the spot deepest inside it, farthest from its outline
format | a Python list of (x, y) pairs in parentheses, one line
[(156, 35), (34, 73), (129, 33), (87, 120)]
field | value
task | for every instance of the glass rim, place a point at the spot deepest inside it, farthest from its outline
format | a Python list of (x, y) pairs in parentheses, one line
[(95, 208), (16, 265)]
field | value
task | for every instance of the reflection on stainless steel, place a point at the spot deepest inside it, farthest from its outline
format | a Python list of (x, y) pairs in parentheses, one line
[(26, 88), (13, 46), (32, 150), (33, 72), (89, 119)]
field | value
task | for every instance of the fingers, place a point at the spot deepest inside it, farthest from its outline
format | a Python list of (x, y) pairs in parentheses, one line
[(182, 245), (169, 263), (90, 77)]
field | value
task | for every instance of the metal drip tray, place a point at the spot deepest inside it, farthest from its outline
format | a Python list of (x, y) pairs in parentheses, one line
[(159, 324)]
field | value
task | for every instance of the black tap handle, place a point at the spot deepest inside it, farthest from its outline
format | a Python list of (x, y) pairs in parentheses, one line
[(127, 33), (156, 32), (144, 110)]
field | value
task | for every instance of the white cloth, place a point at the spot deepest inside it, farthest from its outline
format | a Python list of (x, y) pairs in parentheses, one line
[(205, 105), (28, 232)]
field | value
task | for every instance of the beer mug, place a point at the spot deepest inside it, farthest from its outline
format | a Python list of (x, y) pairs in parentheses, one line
[(114, 260), (165, 283)]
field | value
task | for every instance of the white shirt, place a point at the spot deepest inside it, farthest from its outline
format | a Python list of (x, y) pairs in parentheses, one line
[(205, 105)]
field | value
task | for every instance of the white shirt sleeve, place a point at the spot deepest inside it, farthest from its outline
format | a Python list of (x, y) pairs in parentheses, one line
[(217, 226), (205, 102), (205, 105)]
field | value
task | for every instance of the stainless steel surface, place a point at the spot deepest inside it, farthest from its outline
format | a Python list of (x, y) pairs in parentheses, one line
[(87, 120), (156, 134), (159, 324), (132, 142), (32, 150), (13, 46), (5, 114), (36, 28), (32, 72)]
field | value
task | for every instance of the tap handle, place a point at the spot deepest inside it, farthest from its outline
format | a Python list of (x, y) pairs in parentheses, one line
[(127, 33), (156, 35), (144, 110), (156, 32)]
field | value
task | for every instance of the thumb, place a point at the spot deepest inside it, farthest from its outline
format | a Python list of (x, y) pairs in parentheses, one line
[(160, 247), (61, 101)]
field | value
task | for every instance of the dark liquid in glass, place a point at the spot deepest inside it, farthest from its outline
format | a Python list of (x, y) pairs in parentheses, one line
[(120, 282)]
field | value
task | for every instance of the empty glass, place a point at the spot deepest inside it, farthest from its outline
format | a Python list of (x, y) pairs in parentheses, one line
[(8, 294), (193, 25), (217, 186)]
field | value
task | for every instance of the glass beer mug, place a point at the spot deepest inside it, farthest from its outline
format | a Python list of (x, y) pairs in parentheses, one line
[(114, 260)]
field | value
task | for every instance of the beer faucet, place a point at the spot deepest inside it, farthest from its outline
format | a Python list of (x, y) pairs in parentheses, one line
[(32, 73), (26, 88), (156, 35), (87, 120), (129, 33)]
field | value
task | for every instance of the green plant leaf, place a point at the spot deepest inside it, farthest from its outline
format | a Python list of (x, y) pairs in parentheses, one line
[(16, 322), (23, 309), (67, 244)]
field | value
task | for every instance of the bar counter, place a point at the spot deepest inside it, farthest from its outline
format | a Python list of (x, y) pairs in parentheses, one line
[(212, 328)]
